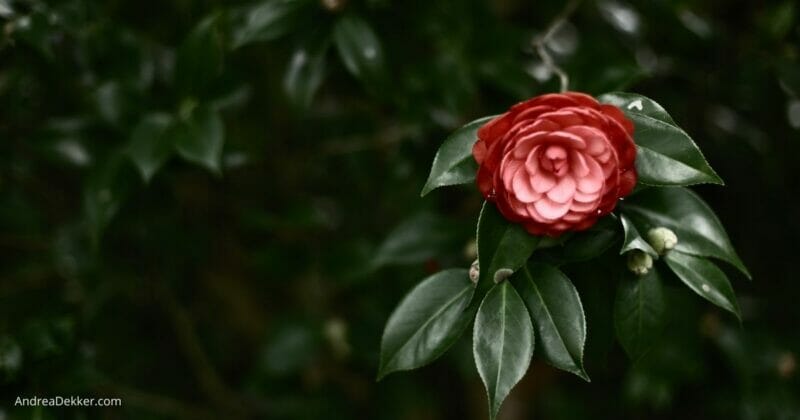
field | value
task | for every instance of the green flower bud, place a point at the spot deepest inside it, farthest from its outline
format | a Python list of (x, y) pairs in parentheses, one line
[(502, 274), (662, 239), (639, 262)]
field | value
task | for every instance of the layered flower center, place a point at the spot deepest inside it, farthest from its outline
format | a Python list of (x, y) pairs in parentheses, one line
[(558, 174), (556, 162)]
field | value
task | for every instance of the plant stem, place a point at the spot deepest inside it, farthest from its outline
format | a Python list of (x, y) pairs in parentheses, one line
[(540, 43)]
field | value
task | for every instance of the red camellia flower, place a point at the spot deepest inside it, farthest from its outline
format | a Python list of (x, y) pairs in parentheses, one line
[(556, 162)]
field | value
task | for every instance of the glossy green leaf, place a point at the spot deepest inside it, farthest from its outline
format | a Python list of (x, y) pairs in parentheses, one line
[(150, 145), (596, 286), (417, 239), (639, 312), (112, 102), (427, 321), (107, 186), (633, 239), (666, 155), (199, 137), (266, 20), (36, 29), (592, 242), (199, 58), (503, 247), (6, 11), (289, 348), (557, 314), (502, 342), (453, 163), (705, 279), (359, 47), (698, 229), (306, 71)]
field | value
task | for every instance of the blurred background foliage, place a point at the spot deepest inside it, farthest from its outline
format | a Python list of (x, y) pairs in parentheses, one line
[(210, 208)]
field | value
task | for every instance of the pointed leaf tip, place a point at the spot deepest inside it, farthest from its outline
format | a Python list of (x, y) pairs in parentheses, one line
[(557, 314), (453, 163), (502, 343), (426, 322)]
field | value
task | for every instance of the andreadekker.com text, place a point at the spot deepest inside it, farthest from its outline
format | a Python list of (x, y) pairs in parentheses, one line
[(72, 401)]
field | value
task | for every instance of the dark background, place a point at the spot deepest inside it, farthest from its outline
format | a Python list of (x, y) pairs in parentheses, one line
[(261, 291)]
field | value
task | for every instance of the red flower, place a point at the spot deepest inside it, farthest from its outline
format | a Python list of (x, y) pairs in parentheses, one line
[(556, 162)]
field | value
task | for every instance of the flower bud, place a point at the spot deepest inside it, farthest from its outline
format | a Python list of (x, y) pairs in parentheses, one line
[(502, 274), (639, 262), (335, 330), (474, 272), (662, 239)]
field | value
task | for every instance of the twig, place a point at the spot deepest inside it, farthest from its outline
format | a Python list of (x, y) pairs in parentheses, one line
[(209, 380), (540, 43)]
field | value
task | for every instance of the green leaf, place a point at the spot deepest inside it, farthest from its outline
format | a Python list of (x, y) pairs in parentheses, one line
[(417, 239), (107, 186), (593, 242), (306, 71), (557, 314), (596, 286), (705, 279), (666, 155), (453, 163), (359, 47), (633, 240), (698, 229), (150, 145), (289, 349), (503, 247), (6, 11), (502, 343), (639, 312), (266, 20), (199, 58), (199, 137), (427, 321)]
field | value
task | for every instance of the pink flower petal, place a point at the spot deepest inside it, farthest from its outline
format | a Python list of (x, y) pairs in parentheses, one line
[(573, 217), (604, 156), (585, 198), (518, 207), (578, 164), (549, 209), (596, 140), (522, 187), (532, 162), (555, 152), (566, 139), (509, 169), (526, 143), (542, 182), (594, 181), (579, 207), (535, 214), (563, 191)]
